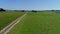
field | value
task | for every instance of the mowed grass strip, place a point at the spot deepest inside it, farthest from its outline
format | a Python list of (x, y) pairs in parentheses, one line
[(38, 23), (7, 17)]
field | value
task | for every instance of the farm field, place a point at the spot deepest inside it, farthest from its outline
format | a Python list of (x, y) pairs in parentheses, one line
[(38, 23), (7, 17)]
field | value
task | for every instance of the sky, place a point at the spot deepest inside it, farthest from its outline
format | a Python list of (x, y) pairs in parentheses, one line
[(30, 4)]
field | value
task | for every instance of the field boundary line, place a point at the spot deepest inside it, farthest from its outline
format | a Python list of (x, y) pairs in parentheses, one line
[(10, 26)]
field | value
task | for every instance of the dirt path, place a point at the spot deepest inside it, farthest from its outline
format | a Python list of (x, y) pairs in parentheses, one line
[(6, 29)]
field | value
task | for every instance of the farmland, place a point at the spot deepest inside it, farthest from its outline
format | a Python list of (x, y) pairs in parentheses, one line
[(38, 23), (7, 17)]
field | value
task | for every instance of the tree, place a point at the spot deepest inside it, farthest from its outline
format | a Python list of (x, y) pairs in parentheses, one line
[(52, 10), (2, 10), (22, 11), (34, 11)]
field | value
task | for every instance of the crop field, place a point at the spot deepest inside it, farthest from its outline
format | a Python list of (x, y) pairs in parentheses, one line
[(38, 23), (7, 17)]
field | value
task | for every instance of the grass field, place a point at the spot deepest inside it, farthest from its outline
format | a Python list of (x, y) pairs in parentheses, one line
[(7, 17), (38, 23)]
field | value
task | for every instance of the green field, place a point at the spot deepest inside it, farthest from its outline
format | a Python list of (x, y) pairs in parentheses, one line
[(7, 17), (38, 23)]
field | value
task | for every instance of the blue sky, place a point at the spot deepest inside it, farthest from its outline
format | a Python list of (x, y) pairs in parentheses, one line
[(30, 4)]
